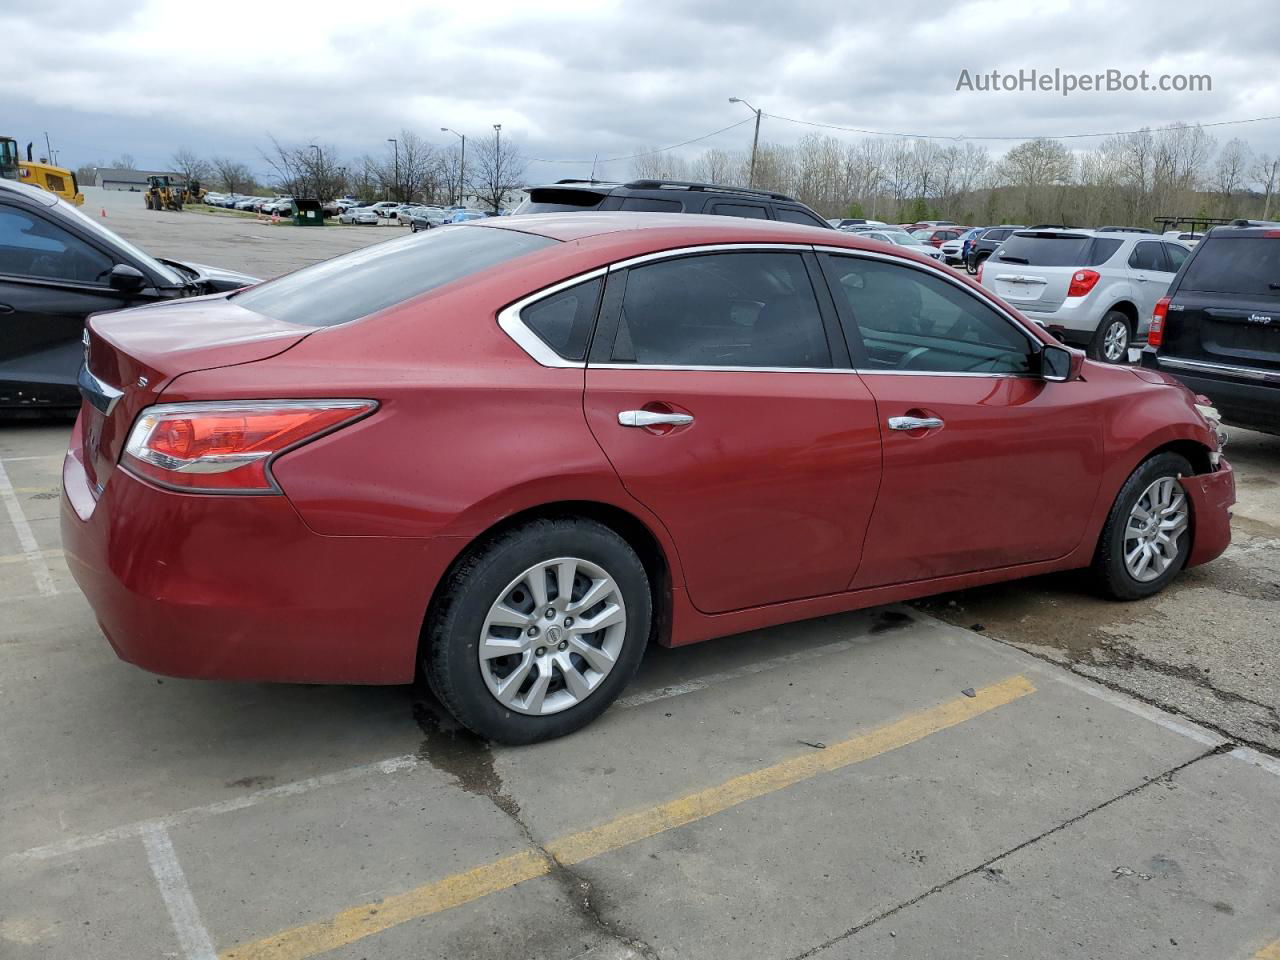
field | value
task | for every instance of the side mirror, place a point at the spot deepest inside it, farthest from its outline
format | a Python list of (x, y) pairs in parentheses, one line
[(1058, 364), (126, 279)]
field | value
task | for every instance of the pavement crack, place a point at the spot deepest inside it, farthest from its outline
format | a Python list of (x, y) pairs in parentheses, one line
[(986, 867)]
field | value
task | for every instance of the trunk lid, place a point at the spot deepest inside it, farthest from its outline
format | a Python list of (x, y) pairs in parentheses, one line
[(132, 355), (1033, 268)]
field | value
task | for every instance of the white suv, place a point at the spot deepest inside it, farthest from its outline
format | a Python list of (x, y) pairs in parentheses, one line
[(1094, 288)]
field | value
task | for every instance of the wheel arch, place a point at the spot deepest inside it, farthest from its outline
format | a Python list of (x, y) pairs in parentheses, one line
[(1129, 309)]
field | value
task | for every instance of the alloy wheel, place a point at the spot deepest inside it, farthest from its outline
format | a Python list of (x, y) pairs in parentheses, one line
[(1115, 344), (552, 636), (1154, 530)]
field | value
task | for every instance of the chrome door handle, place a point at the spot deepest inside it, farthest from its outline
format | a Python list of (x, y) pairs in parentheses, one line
[(914, 423), (647, 418)]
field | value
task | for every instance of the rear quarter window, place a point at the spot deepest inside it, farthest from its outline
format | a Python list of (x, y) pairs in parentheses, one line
[(374, 278), (1249, 266)]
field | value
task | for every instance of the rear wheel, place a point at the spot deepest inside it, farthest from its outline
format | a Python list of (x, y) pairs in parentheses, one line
[(538, 631), (1110, 342), (972, 264), (1147, 536)]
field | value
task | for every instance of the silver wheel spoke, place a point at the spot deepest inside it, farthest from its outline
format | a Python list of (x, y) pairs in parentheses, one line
[(598, 590), (597, 658), (574, 682), (605, 618), (491, 647), (536, 580), (565, 571), (511, 685), (538, 692), (503, 616)]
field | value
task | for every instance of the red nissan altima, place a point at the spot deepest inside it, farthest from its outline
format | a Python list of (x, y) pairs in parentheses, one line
[(517, 451)]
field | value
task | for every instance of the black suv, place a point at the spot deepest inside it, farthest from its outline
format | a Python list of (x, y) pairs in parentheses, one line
[(1218, 328), (985, 245), (668, 196)]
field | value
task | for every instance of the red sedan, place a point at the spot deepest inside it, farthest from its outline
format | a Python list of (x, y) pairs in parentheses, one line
[(518, 450)]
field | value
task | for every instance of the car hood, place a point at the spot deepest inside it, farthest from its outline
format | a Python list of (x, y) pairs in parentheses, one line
[(216, 279)]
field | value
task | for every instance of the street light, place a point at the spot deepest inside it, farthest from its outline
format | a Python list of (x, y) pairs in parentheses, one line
[(462, 162), (319, 166), (396, 143), (751, 177), (497, 164)]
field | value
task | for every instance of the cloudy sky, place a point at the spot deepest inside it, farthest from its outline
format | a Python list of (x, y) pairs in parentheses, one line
[(575, 80)]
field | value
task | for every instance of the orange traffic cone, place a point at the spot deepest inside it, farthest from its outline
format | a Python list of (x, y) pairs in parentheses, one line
[(275, 218), (104, 213)]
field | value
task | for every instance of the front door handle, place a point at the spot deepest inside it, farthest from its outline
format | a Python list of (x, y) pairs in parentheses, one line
[(647, 418), (5, 308), (914, 423)]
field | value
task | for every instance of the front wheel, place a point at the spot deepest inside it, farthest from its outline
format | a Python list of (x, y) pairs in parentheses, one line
[(1110, 341), (536, 632), (1147, 536)]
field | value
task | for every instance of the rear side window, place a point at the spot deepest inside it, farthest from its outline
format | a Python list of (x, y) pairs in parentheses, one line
[(787, 215), (651, 205), (1176, 254), (749, 309), (1148, 256), (739, 210), (1249, 266), (564, 320), (366, 281), (1057, 249)]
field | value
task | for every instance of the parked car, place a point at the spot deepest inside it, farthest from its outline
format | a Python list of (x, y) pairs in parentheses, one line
[(668, 196), (986, 242), (937, 236), (1124, 230), (57, 266), (1190, 239), (277, 206), (671, 469), (362, 214), (922, 224), (1091, 288), (953, 251), (846, 222), (383, 208), (1218, 327), (402, 211), (246, 203), (424, 218), (900, 238), (462, 216)]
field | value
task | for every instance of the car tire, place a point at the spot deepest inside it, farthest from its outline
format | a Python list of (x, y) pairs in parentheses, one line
[(1110, 342), (413, 226), (497, 579), (977, 264), (1152, 489)]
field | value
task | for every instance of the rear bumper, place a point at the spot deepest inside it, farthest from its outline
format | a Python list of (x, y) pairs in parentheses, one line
[(240, 588), (1211, 496), (1253, 404)]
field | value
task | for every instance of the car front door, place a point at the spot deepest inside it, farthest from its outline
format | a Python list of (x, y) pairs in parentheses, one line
[(50, 280), (1151, 276), (985, 464), (718, 387)]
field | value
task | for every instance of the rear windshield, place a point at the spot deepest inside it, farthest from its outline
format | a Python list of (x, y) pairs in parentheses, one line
[(1243, 265), (560, 201), (366, 281), (1057, 249)]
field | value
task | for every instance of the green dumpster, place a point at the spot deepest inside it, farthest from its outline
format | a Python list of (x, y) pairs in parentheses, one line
[(307, 213)]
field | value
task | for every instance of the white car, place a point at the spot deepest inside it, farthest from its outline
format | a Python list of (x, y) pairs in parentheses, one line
[(383, 208), (1190, 239), (900, 238), (1093, 288), (359, 215)]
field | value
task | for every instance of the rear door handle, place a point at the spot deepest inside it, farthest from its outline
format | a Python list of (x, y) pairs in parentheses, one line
[(647, 418), (5, 308), (914, 423)]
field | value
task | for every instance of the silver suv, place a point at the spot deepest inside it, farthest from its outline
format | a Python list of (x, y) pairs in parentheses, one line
[(1093, 288)]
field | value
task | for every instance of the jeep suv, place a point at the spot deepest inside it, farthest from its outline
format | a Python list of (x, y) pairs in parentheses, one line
[(1093, 289), (1218, 330), (668, 196)]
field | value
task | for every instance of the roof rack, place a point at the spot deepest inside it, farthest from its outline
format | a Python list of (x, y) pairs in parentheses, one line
[(1124, 230), (709, 187), (1192, 223)]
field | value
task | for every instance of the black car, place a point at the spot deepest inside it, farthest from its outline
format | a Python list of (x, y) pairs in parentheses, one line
[(985, 245), (1218, 328), (668, 196), (57, 266)]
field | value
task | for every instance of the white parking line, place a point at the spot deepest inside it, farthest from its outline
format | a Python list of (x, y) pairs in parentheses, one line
[(26, 539), (38, 456), (192, 936)]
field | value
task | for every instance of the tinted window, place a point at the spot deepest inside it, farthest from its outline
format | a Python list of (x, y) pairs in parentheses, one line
[(909, 319), (651, 205), (366, 281), (1148, 256), (722, 310), (739, 210), (558, 201), (1057, 249), (31, 246), (564, 320), (1176, 254), (1244, 265), (995, 234), (787, 215)]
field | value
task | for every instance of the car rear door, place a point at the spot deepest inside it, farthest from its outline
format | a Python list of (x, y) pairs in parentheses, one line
[(985, 464), (718, 387), (50, 280), (1150, 273)]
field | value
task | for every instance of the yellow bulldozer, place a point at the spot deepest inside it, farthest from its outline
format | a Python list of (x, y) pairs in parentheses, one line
[(163, 194), (57, 180)]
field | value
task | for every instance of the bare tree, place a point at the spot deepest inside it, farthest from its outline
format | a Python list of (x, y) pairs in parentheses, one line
[(660, 166), (125, 162), (233, 176), (1266, 172), (191, 167), (496, 171), (306, 170), (715, 166), (412, 169), (1229, 174)]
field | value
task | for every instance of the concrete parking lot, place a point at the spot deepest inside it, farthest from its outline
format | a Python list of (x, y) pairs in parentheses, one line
[(1019, 771)]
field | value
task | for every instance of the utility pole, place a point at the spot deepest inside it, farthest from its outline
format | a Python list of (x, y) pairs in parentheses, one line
[(497, 166), (755, 140), (315, 177), (48, 150), (1271, 188), (462, 164), (396, 143)]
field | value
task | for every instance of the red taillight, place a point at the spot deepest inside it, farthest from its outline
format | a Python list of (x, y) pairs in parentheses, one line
[(1082, 281), (978, 276), (1155, 332), (226, 446)]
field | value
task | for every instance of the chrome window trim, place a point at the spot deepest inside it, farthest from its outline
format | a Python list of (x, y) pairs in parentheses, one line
[(709, 369), (1244, 373), (513, 325)]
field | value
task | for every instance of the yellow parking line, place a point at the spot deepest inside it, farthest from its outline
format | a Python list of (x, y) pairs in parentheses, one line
[(1270, 952), (51, 553), (459, 888)]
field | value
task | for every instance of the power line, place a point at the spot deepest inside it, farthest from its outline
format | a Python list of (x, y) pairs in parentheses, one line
[(961, 137), (649, 153)]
